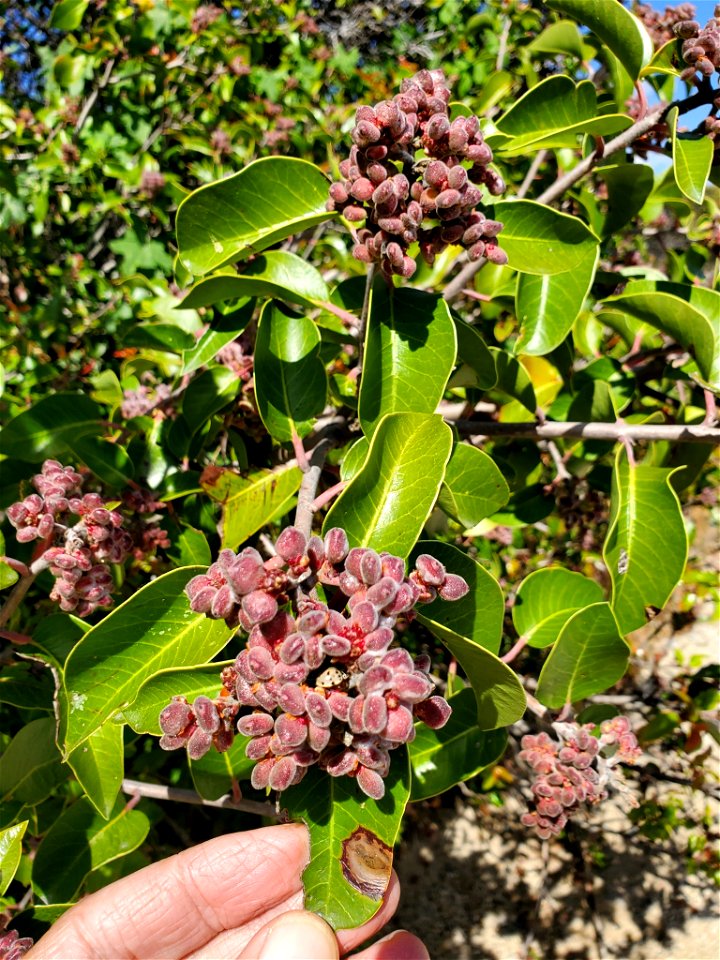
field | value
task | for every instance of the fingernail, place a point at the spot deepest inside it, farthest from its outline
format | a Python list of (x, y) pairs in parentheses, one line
[(299, 935)]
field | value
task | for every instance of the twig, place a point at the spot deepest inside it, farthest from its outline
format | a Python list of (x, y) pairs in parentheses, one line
[(90, 102), (704, 96), (20, 589), (538, 161), (514, 650), (502, 47), (156, 791), (327, 495), (308, 488), (364, 314), (674, 433), (461, 279)]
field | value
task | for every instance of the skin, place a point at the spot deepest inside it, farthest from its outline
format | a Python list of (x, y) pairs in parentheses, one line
[(237, 896)]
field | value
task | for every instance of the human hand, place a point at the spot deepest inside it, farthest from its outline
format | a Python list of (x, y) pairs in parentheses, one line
[(237, 896)]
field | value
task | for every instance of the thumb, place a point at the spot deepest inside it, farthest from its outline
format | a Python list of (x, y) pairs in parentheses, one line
[(297, 935)]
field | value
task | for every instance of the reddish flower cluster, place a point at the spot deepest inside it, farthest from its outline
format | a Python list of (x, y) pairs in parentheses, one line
[(572, 770), (701, 46), (13, 946), (324, 686), (403, 199), (660, 24), (78, 551), (144, 399)]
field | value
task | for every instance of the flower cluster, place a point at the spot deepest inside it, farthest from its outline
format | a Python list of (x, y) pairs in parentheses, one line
[(317, 685), (13, 946), (430, 199), (572, 770), (144, 398), (701, 45), (660, 24), (77, 551)]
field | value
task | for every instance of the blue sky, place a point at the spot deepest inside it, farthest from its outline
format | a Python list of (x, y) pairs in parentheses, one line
[(703, 8)]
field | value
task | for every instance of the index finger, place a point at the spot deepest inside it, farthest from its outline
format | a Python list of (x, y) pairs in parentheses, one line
[(175, 906)]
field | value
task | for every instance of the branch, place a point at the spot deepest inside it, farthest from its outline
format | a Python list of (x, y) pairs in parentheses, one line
[(90, 102), (674, 433), (308, 488), (17, 593), (156, 791), (704, 96)]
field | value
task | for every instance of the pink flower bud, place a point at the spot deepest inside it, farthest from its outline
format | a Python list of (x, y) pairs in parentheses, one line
[(371, 783), (259, 606), (207, 715), (336, 545), (290, 699), (375, 713), (318, 709), (199, 744), (255, 724), (453, 587), (435, 712)]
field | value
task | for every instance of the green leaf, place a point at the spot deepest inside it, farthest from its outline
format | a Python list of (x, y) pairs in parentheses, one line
[(10, 851), (478, 616), (193, 548), (80, 841), (514, 380), (8, 576), (458, 751), (108, 461), (165, 337), (547, 598), (207, 394), (473, 351), (154, 630), (31, 766), (552, 114), (387, 502), (561, 37), (540, 240), (98, 765), (344, 823), (23, 685), (646, 545), (628, 187), (224, 330), (659, 305), (278, 274), (588, 657), (667, 59), (144, 712), (593, 402), (46, 428), (547, 306), (354, 459), (290, 379), (213, 775), (499, 694), (473, 487), (233, 218), (250, 501), (615, 26), (410, 350), (692, 158), (68, 14)]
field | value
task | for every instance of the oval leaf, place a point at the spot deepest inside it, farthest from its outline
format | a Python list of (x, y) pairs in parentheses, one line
[(589, 656), (474, 352), (143, 714), (540, 240), (547, 306), (81, 840), (646, 544), (686, 322), (618, 29), (290, 379), (478, 616), (250, 501), (233, 218), (44, 429), (387, 502), (10, 850), (458, 751), (692, 158), (224, 330), (277, 274), (351, 841), (154, 630), (410, 352), (473, 487), (98, 765), (547, 598), (31, 766)]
